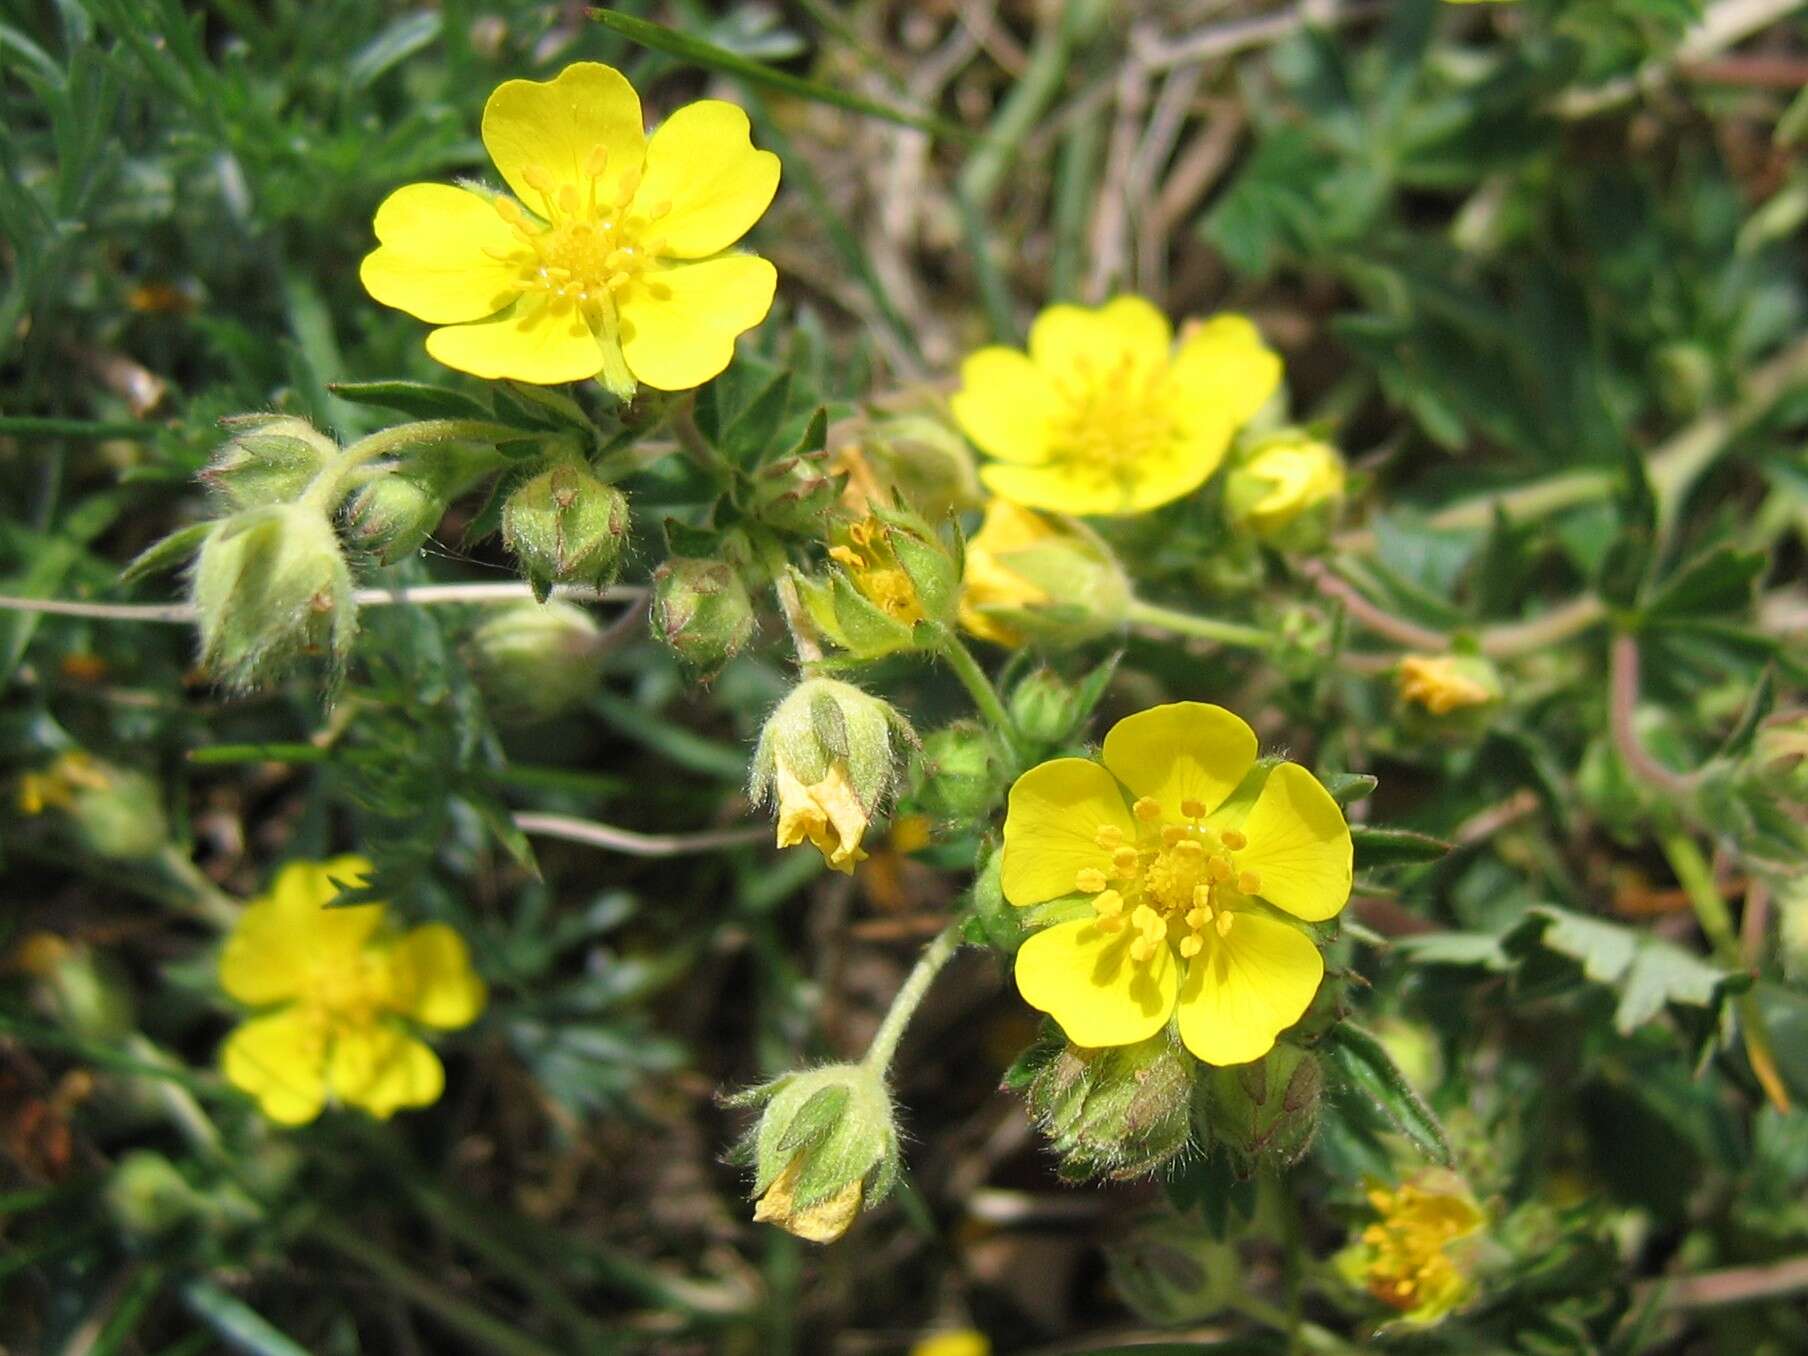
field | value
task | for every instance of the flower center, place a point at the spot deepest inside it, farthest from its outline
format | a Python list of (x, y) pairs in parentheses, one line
[(876, 573), (588, 245), (1407, 1259), (341, 993), (1179, 882), (1114, 420)]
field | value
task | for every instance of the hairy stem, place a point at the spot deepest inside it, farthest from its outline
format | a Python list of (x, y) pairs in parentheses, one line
[(1204, 628), (909, 997), (979, 687)]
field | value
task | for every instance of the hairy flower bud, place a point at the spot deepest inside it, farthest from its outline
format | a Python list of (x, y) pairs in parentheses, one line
[(116, 813), (270, 586), (1118, 1111), (1046, 708), (393, 515), (566, 527), (1287, 490), (829, 757), (892, 571), (958, 776), (536, 660), (269, 459), (701, 609), (915, 458), (1032, 577), (793, 493), (825, 1148), (1266, 1111)]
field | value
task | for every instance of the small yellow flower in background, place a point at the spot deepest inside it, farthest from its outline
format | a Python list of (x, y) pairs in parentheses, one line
[(1411, 1258), (1283, 479), (1103, 414), (1181, 875), (954, 1342), (1446, 683), (611, 259), (342, 995), (1024, 573)]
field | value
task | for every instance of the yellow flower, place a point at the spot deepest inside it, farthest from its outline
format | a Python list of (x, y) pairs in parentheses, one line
[(1103, 414), (611, 259), (1411, 1258), (1026, 574), (954, 1342), (866, 552), (341, 994), (1181, 875), (1445, 683), (823, 1222), (1282, 479), (826, 813)]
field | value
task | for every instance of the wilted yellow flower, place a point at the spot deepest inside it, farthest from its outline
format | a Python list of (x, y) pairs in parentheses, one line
[(823, 1222), (1411, 1258), (1026, 574), (1281, 480), (611, 259), (825, 813), (1445, 683), (1103, 415), (341, 996), (1184, 886)]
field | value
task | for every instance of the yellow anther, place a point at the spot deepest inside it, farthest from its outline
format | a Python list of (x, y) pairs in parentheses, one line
[(568, 200), (1218, 869), (1202, 897), (1198, 918), (1190, 848), (597, 161), (1192, 809), (1234, 840), (537, 179), (1249, 882), (1108, 836), (1172, 835), (1142, 950), (1124, 860), (1090, 880), (1223, 922), (1109, 904), (508, 209), (1147, 808), (630, 184), (1110, 925), (1191, 946)]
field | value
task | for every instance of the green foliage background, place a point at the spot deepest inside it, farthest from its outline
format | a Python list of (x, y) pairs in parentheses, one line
[(1536, 268)]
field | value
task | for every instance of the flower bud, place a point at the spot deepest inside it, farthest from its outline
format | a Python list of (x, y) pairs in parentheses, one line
[(1286, 491), (1172, 1271), (272, 585), (892, 572), (393, 515), (148, 1197), (85, 990), (270, 459), (828, 756), (1420, 1254), (702, 610), (1266, 1112), (1032, 577), (826, 1147), (1779, 756), (1117, 1111), (793, 493), (915, 458), (536, 660), (1457, 691), (958, 775), (115, 812), (1046, 708), (566, 527)]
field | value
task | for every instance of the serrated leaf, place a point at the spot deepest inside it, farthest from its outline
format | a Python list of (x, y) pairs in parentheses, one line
[(166, 554), (1481, 949), (1365, 1067), (1376, 846), (1646, 970), (415, 398)]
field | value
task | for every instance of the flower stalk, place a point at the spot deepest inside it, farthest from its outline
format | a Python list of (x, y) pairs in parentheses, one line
[(909, 997)]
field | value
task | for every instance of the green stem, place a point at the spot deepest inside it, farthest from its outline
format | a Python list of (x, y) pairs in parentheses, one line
[(790, 606), (979, 687), (329, 486), (1310, 1335), (1205, 628), (1696, 876), (461, 1315), (904, 1005), (211, 904)]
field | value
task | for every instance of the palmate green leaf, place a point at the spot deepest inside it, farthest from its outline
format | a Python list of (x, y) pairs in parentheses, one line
[(711, 57), (1646, 970)]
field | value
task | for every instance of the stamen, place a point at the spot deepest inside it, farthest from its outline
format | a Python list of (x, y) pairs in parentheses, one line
[(1109, 904), (568, 200), (597, 161), (1218, 869), (538, 180), (1191, 946), (1171, 835), (630, 185), (1234, 840), (1147, 809), (1090, 880), (1223, 921), (1192, 809), (1190, 848), (1142, 950), (1198, 918), (1108, 836), (1124, 861), (1249, 882)]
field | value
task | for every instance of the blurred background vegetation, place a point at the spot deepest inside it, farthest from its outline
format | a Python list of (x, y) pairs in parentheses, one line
[(1538, 268)]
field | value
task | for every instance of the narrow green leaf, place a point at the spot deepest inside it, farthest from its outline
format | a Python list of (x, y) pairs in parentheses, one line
[(395, 44), (235, 1323), (167, 553), (1346, 787), (1366, 1068), (415, 398), (1389, 847)]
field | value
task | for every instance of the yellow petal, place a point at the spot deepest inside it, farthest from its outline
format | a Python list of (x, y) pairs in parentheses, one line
[(1052, 824), (1075, 339), (281, 935), (1222, 375), (438, 255), (1247, 987), (383, 1069), (431, 979), (1181, 751), (1177, 467), (550, 129), (1063, 487), (281, 1061), (1004, 405), (826, 813), (823, 1222), (1086, 980), (1299, 844), (679, 325), (702, 167), (534, 341)]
